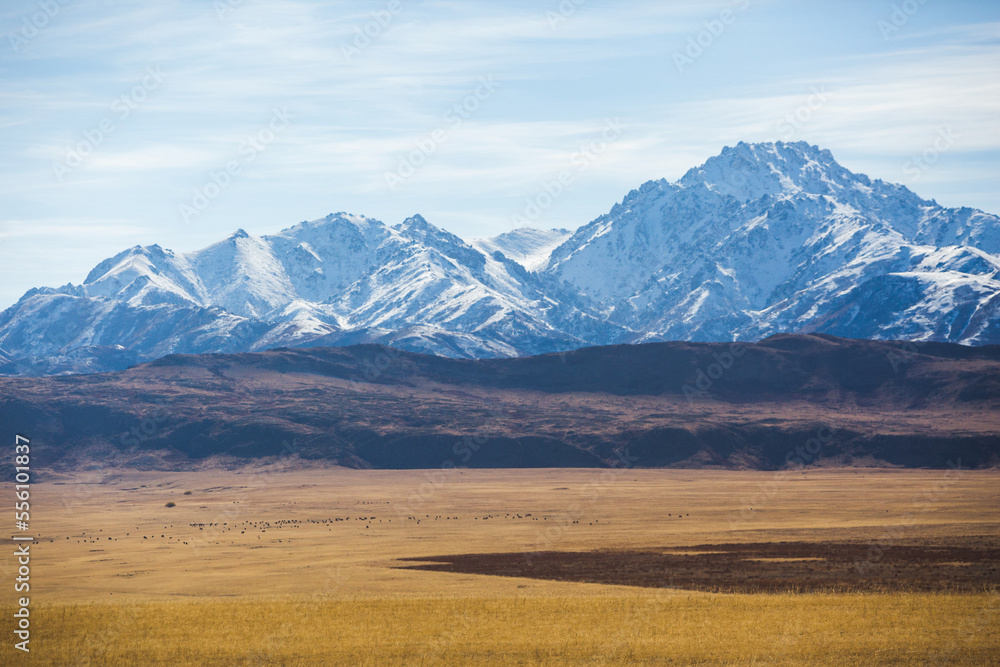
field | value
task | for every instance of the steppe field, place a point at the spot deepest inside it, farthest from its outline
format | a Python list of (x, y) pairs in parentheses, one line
[(516, 567)]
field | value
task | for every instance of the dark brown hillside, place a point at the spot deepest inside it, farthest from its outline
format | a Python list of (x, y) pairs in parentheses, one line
[(665, 404)]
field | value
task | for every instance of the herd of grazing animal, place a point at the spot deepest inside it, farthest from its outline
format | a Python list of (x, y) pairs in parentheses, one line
[(218, 530)]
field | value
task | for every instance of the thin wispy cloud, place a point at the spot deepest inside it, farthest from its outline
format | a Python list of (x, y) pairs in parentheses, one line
[(362, 102)]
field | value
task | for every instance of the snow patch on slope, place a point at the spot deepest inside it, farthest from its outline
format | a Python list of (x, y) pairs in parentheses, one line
[(528, 247)]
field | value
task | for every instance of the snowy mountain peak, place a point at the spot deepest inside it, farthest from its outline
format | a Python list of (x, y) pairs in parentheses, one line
[(416, 227), (774, 237), (330, 226), (415, 222), (760, 239), (751, 171)]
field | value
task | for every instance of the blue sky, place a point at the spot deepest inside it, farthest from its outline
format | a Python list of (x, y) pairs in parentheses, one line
[(177, 122)]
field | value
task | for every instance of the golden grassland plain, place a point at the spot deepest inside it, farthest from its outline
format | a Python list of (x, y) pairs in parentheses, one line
[(302, 567)]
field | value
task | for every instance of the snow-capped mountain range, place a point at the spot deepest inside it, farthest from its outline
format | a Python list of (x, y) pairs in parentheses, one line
[(761, 239)]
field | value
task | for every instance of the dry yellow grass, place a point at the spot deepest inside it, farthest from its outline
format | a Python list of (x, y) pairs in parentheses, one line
[(328, 593), (619, 628)]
